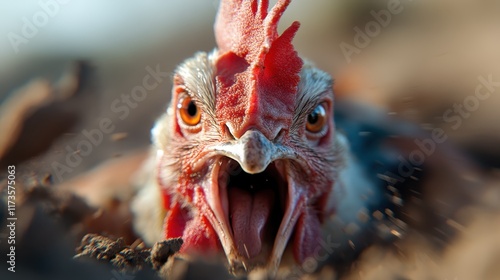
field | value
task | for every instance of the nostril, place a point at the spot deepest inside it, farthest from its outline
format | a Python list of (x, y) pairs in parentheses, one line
[(227, 132), (280, 135)]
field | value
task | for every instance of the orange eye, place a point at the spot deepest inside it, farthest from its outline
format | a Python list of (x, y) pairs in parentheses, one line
[(189, 111), (316, 120)]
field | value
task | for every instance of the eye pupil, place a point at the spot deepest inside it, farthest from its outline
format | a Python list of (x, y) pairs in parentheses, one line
[(192, 109), (313, 117)]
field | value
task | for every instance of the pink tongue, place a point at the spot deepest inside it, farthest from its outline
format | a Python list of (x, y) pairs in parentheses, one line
[(249, 215)]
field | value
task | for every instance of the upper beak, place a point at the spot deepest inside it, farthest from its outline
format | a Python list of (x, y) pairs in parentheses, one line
[(254, 152)]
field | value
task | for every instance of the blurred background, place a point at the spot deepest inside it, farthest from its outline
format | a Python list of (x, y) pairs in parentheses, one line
[(67, 65)]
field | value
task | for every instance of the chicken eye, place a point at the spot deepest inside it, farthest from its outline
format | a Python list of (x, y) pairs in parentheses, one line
[(189, 111), (316, 120)]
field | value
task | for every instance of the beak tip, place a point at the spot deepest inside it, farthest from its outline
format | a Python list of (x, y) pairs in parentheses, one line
[(253, 168)]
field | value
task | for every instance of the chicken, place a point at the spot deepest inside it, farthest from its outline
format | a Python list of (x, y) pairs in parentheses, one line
[(247, 160)]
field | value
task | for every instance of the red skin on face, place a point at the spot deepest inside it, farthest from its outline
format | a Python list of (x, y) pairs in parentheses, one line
[(196, 230)]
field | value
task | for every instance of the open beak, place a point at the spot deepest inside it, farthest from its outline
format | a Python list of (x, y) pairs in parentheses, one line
[(255, 200)]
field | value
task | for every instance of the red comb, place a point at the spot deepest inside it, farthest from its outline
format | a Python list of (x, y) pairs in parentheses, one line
[(257, 69)]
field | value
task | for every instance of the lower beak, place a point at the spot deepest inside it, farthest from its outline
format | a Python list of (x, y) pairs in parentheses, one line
[(294, 209)]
